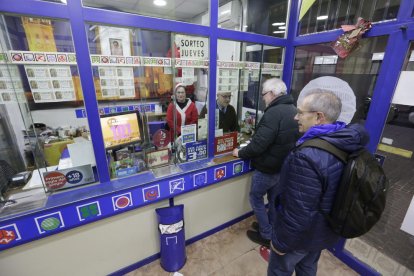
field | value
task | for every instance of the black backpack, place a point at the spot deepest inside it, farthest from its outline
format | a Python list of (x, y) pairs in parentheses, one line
[(360, 198)]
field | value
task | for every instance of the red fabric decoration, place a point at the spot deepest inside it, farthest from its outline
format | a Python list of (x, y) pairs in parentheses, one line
[(349, 41)]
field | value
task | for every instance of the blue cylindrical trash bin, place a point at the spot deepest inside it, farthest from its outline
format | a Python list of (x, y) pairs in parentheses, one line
[(172, 238)]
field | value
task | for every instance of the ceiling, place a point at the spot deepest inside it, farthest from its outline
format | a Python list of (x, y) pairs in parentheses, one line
[(183, 10)]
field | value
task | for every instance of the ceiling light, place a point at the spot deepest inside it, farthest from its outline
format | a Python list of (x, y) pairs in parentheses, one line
[(278, 24), (278, 32), (224, 12), (322, 17), (160, 3), (282, 28)]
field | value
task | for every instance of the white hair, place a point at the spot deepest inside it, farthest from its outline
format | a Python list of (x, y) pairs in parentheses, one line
[(324, 101), (277, 86)]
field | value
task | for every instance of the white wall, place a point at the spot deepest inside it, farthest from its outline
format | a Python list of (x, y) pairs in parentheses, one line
[(58, 117), (112, 244)]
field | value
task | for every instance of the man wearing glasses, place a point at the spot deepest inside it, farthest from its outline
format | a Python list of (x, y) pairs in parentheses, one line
[(274, 137), (310, 177), (227, 115)]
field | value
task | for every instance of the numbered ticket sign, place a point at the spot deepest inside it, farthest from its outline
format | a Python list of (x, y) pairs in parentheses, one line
[(67, 178), (196, 150), (225, 143)]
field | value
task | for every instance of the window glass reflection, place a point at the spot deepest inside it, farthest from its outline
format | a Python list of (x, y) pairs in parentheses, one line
[(360, 69), (318, 16), (41, 103), (261, 17), (191, 11)]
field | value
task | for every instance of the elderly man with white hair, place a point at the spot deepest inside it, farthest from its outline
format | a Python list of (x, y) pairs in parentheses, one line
[(311, 177), (274, 137)]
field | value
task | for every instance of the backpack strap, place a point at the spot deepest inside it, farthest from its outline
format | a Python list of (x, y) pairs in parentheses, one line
[(326, 146)]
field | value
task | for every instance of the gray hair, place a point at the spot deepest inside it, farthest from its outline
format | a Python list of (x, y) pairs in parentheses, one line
[(277, 86), (324, 101)]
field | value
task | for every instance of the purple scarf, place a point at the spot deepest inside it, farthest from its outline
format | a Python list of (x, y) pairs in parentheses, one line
[(319, 130)]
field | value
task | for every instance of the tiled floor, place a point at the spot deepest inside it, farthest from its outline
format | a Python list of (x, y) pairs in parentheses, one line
[(229, 252)]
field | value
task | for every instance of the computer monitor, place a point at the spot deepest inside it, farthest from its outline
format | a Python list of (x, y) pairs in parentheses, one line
[(120, 129)]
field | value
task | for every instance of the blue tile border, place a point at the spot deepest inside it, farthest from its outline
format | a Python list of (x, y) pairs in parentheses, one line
[(19, 230)]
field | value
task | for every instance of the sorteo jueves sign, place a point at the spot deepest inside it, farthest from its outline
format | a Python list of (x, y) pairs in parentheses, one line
[(192, 47)]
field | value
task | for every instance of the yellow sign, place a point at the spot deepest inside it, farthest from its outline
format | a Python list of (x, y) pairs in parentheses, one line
[(306, 4), (394, 150), (39, 34)]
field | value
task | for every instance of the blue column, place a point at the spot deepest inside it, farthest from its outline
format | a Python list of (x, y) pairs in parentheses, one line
[(213, 76), (289, 60)]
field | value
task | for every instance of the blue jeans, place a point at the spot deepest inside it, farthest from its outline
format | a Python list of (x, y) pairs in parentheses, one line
[(304, 263), (262, 184)]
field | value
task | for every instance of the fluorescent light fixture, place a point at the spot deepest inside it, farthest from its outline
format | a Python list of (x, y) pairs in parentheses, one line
[(278, 24), (322, 17), (245, 26), (282, 27), (225, 12), (278, 32), (160, 3)]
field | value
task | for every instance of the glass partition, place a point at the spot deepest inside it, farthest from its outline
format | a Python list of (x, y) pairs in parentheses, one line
[(241, 69), (191, 11), (142, 72), (388, 246), (46, 133), (324, 15), (360, 69), (261, 17)]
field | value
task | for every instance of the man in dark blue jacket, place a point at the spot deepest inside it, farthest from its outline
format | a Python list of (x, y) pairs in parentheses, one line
[(300, 230), (275, 136)]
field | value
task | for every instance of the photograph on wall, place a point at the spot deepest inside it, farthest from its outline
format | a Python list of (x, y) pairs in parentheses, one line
[(114, 41), (116, 47)]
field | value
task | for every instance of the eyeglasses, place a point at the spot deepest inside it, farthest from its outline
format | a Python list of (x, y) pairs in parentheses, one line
[(226, 96), (300, 112)]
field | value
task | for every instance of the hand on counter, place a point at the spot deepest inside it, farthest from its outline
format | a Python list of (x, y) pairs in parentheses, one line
[(236, 152)]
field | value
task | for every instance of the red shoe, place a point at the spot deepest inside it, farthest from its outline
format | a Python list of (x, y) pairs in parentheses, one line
[(265, 253)]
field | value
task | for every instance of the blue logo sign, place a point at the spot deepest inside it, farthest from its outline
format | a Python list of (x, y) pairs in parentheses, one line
[(200, 179), (196, 150), (74, 177)]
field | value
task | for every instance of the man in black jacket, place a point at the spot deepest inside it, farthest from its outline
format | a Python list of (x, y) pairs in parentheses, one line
[(274, 137)]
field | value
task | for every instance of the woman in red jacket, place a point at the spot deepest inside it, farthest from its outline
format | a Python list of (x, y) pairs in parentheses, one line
[(184, 108)]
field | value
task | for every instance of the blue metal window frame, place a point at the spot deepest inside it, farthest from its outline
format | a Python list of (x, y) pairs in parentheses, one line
[(400, 31)]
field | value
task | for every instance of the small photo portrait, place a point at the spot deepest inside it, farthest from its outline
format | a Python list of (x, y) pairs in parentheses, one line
[(30, 73), (121, 82), (1, 74), (56, 84), (58, 95), (103, 82), (119, 72), (33, 84), (36, 96), (122, 92), (53, 72), (104, 92), (102, 72), (116, 47)]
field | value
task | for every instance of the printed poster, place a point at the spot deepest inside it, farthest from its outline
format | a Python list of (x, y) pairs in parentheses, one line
[(11, 88), (117, 82), (50, 83), (188, 133)]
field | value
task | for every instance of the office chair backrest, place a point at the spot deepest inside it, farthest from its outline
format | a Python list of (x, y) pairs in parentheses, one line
[(6, 173)]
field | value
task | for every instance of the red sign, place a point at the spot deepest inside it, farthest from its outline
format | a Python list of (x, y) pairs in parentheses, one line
[(54, 180), (7, 236), (161, 138), (225, 143)]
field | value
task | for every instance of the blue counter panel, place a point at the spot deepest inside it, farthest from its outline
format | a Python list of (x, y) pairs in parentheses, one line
[(55, 218)]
